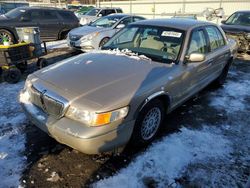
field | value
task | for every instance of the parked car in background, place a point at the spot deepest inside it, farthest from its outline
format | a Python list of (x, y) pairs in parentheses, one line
[(237, 26), (97, 33), (82, 11), (74, 8), (95, 13), (123, 92), (53, 23), (6, 6)]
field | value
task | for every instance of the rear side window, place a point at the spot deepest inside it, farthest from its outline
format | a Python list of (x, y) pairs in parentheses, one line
[(221, 40), (66, 15), (198, 43), (215, 37)]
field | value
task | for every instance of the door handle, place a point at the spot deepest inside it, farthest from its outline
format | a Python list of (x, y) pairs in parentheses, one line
[(210, 61)]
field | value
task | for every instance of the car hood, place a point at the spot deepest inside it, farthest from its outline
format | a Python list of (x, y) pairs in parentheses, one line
[(109, 80), (85, 30), (235, 28)]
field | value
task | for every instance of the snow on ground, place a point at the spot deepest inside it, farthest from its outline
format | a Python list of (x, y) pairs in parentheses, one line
[(215, 156), (12, 137), (165, 160), (56, 44)]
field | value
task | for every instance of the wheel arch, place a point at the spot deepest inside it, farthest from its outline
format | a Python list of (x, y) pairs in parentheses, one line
[(60, 34), (160, 95), (11, 31)]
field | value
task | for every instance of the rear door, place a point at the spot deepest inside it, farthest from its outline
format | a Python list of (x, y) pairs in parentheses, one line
[(49, 25), (218, 51)]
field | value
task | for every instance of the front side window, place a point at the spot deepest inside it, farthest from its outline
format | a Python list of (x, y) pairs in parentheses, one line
[(15, 13), (50, 15), (105, 22), (36, 15), (158, 43), (93, 12), (126, 21), (239, 18), (197, 43)]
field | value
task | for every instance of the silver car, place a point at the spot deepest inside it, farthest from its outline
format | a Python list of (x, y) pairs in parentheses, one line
[(99, 101), (96, 34), (96, 13)]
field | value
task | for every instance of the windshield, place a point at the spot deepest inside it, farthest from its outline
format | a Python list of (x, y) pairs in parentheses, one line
[(239, 18), (105, 22), (15, 13), (158, 43), (93, 12)]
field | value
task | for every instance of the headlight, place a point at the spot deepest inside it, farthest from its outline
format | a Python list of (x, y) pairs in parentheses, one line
[(90, 36), (96, 119)]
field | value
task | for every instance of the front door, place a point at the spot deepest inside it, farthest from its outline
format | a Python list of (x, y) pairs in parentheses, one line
[(196, 75)]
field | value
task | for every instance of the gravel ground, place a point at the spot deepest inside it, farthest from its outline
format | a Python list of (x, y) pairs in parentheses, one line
[(205, 143)]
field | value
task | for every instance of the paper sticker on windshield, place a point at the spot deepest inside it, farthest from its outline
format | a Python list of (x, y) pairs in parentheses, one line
[(171, 34), (22, 10)]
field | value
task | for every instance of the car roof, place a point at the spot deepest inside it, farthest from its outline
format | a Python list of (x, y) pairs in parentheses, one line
[(41, 8), (243, 11), (177, 23), (119, 15)]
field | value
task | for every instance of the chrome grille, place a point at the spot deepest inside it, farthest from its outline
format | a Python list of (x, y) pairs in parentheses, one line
[(46, 103)]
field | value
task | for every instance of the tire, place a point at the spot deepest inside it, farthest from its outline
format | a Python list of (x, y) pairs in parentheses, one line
[(12, 75), (63, 35), (103, 41), (7, 34), (22, 66), (147, 125), (222, 78), (41, 63)]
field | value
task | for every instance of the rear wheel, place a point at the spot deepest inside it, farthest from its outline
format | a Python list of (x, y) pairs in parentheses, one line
[(22, 66), (222, 78), (4, 34), (63, 35), (12, 75), (148, 123)]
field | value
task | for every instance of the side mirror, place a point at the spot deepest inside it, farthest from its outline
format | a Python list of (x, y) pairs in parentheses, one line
[(99, 15), (195, 57), (223, 21), (120, 26), (24, 19)]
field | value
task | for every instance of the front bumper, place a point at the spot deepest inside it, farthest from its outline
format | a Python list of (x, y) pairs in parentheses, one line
[(85, 46), (89, 140)]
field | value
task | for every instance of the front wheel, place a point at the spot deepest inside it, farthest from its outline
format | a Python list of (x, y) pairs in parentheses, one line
[(103, 41), (148, 123), (6, 35)]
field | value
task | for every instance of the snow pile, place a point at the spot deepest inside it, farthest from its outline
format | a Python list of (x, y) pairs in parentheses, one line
[(165, 160), (123, 52), (56, 44), (12, 138), (232, 97)]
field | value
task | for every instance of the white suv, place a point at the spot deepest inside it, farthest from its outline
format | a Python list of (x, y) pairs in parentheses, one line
[(95, 13)]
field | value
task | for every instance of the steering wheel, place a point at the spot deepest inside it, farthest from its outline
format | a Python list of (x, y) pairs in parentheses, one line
[(170, 51)]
